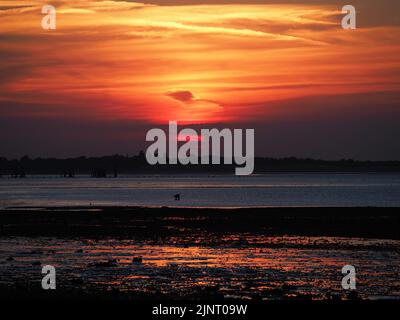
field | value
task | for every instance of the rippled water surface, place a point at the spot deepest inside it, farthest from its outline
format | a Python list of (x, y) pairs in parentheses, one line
[(309, 189)]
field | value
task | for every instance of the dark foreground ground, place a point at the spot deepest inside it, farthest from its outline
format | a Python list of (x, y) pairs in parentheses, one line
[(161, 223), (229, 254)]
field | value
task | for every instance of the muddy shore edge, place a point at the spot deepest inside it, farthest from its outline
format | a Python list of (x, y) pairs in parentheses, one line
[(158, 224)]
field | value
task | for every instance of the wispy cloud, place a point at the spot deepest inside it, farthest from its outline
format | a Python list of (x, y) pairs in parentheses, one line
[(118, 59)]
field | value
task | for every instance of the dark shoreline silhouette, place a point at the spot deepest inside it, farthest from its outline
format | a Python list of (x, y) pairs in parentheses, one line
[(112, 166)]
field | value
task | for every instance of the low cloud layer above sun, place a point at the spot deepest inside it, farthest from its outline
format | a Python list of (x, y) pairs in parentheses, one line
[(194, 107)]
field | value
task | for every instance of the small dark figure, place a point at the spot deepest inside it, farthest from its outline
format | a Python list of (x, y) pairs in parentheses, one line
[(177, 197)]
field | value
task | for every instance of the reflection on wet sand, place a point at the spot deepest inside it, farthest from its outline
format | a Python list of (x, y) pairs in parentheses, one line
[(239, 266)]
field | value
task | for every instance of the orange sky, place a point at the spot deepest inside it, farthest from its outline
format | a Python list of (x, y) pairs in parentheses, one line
[(206, 63)]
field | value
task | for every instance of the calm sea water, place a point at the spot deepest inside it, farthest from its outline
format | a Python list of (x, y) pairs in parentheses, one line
[(299, 189)]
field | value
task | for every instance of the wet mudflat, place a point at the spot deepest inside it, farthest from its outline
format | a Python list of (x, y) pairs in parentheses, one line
[(290, 268), (192, 261)]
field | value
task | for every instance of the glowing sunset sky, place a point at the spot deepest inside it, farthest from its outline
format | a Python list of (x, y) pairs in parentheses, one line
[(113, 69)]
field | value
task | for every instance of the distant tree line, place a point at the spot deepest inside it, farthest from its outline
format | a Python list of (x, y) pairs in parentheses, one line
[(114, 165)]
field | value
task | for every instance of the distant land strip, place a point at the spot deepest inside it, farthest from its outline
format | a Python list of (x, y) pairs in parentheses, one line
[(114, 165)]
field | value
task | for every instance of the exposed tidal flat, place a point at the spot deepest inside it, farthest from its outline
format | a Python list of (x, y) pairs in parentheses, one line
[(186, 253)]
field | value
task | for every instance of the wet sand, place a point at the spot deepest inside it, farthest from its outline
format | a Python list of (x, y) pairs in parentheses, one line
[(163, 253)]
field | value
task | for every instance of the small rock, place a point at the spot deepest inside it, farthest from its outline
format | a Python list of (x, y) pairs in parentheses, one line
[(353, 295), (137, 260), (109, 263), (36, 252), (77, 281)]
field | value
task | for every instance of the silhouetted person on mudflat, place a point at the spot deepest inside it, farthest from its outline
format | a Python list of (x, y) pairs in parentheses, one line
[(177, 197)]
